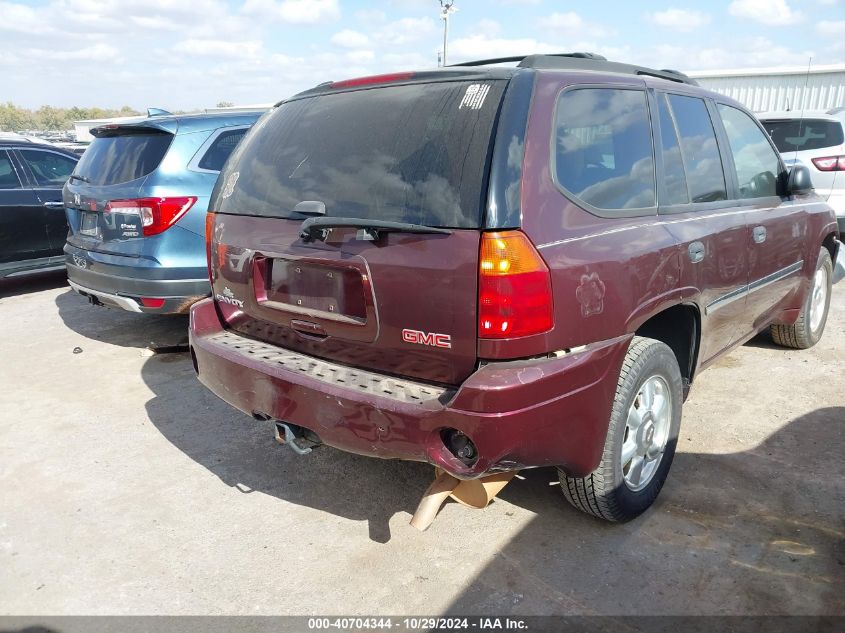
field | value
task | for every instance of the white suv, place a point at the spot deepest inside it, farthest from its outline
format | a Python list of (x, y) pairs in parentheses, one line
[(815, 139)]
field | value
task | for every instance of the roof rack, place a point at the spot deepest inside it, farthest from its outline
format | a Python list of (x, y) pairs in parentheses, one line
[(583, 61)]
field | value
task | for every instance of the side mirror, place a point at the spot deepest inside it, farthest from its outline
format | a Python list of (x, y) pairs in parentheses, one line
[(799, 181)]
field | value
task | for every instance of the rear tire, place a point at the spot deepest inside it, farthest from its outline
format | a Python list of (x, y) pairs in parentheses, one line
[(808, 329), (641, 437)]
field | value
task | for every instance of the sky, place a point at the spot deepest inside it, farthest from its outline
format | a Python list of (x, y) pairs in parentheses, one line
[(188, 54)]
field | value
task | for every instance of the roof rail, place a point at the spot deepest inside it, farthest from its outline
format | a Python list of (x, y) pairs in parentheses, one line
[(583, 61)]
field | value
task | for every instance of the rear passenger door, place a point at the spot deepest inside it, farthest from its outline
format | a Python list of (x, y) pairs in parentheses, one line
[(696, 208), (23, 222), (48, 172), (777, 227)]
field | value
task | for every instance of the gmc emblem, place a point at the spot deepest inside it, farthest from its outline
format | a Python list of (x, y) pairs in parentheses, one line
[(427, 338)]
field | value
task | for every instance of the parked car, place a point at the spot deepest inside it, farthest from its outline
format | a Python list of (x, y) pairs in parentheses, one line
[(817, 140), (136, 208), (490, 268), (32, 219)]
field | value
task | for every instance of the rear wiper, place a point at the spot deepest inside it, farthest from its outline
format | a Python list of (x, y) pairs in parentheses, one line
[(318, 228), (77, 177)]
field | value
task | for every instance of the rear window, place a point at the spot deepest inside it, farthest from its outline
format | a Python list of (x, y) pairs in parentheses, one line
[(798, 135), (111, 160), (415, 153)]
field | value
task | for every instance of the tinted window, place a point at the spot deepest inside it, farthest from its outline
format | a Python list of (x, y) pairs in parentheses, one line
[(674, 180), (705, 178), (110, 160), (795, 135), (48, 168), (757, 165), (8, 177), (603, 148), (415, 153), (220, 149)]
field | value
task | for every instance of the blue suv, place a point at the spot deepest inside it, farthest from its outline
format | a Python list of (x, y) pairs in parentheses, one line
[(136, 206)]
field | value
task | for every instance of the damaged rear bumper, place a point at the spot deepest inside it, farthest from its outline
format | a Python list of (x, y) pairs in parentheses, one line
[(540, 412)]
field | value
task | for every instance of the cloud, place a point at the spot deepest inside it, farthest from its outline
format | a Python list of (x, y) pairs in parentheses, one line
[(754, 52), (680, 19), (484, 47), (573, 25), (768, 12), (406, 31), (220, 48), (348, 38), (359, 57), (293, 11), (830, 28)]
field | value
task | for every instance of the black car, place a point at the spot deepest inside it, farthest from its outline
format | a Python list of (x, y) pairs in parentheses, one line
[(33, 226)]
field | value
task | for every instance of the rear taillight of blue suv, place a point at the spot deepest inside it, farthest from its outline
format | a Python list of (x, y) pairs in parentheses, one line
[(156, 214)]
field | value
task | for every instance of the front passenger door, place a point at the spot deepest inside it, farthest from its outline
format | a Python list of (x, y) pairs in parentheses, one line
[(49, 171), (777, 228)]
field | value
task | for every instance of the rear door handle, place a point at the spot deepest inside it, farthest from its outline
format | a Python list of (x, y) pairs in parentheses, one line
[(54, 205), (759, 234), (696, 252)]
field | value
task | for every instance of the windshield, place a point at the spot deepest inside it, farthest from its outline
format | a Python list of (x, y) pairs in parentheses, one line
[(415, 153), (115, 159), (791, 135)]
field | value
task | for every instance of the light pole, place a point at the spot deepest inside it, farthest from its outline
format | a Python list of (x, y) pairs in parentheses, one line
[(446, 7)]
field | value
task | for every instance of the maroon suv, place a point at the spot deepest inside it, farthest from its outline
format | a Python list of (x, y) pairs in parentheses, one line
[(491, 268)]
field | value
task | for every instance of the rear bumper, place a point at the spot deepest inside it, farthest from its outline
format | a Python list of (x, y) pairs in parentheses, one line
[(546, 412), (125, 292)]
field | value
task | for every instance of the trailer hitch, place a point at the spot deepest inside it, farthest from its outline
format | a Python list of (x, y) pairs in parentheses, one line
[(299, 439)]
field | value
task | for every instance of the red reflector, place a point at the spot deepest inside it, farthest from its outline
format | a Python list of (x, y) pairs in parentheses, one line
[(156, 214), (209, 228), (830, 163), (514, 287), (149, 302), (372, 79)]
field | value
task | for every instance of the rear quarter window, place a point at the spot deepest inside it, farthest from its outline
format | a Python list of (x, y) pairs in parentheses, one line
[(221, 148), (119, 158), (603, 149)]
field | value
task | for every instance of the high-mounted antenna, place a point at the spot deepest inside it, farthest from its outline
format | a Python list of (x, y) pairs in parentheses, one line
[(801, 116)]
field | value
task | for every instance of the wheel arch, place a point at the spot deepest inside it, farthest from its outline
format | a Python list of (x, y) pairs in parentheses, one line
[(831, 244), (679, 327)]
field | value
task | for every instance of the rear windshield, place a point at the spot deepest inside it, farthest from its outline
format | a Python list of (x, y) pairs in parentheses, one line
[(414, 153), (794, 135), (110, 160)]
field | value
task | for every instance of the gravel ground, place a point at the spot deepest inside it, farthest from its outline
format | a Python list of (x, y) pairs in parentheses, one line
[(127, 488)]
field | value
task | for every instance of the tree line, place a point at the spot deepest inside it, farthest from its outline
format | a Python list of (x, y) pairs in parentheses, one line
[(15, 119)]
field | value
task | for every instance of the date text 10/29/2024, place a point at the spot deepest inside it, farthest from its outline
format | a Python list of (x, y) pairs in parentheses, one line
[(477, 623)]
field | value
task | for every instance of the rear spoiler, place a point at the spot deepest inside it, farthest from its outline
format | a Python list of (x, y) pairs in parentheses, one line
[(137, 127)]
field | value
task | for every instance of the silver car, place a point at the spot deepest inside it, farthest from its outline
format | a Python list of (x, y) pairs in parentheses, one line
[(817, 140)]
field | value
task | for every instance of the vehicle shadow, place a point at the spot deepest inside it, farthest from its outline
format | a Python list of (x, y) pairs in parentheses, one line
[(243, 453), (759, 532), (749, 528), (119, 327), (33, 282), (763, 340)]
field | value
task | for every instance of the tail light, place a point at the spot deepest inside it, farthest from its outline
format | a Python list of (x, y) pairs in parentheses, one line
[(156, 214), (830, 163), (514, 287), (209, 235)]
